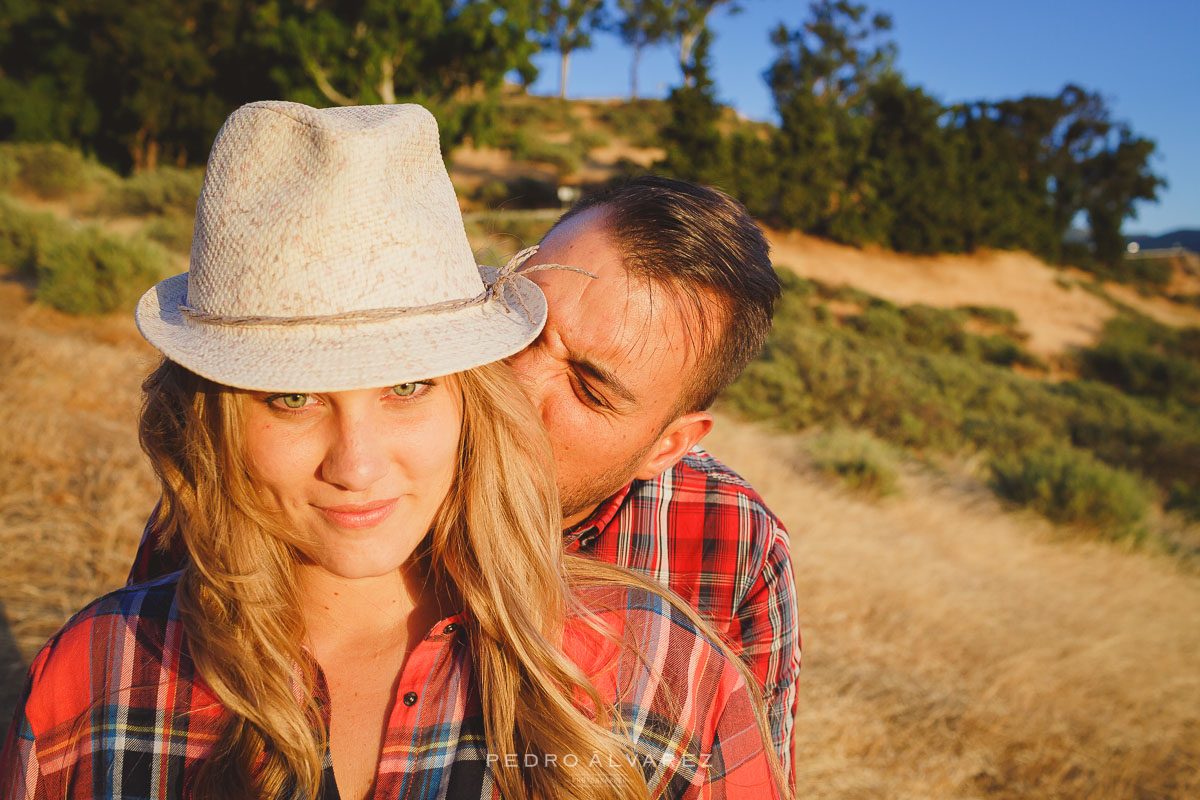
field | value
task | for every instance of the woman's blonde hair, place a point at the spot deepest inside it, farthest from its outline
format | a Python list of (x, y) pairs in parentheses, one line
[(495, 544)]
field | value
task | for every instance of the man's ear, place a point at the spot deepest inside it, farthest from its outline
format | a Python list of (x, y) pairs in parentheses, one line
[(674, 442)]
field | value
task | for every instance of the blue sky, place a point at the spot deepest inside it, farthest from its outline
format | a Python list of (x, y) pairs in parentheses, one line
[(1142, 57)]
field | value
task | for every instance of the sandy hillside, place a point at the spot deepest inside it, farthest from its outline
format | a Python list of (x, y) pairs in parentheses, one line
[(953, 650), (1055, 312)]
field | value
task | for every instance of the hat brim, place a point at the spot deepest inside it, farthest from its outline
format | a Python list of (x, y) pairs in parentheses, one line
[(340, 357)]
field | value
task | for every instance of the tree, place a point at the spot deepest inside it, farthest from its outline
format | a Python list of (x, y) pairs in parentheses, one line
[(449, 55), (568, 27), (645, 22), (693, 141), (134, 82), (688, 20), (819, 80)]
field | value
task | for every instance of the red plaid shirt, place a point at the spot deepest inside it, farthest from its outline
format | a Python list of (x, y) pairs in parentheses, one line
[(704, 532), (113, 708)]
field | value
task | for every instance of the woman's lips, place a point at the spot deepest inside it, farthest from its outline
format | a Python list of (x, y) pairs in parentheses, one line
[(360, 515)]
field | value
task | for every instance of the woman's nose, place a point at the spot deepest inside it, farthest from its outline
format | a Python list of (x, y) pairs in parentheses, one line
[(357, 456)]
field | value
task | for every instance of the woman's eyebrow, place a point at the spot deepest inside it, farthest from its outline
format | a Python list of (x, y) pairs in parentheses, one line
[(605, 377)]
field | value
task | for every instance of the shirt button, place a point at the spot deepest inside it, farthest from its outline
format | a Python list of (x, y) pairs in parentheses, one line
[(410, 698), (451, 628)]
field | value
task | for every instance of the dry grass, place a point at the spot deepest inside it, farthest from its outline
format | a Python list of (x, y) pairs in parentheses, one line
[(954, 650), (74, 488), (951, 650)]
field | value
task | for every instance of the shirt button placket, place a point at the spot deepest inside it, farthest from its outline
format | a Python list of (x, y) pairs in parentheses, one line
[(410, 698)]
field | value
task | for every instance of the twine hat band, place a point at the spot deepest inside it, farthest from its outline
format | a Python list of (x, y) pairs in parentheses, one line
[(494, 290)]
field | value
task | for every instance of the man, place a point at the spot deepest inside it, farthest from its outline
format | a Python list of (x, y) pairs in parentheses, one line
[(623, 374)]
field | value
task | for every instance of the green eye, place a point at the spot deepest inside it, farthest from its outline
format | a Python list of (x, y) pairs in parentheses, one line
[(404, 389), (294, 400)]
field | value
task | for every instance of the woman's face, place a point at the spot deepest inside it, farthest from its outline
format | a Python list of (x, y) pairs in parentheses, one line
[(359, 474)]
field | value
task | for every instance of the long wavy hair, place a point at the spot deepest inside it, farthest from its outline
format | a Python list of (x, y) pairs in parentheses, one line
[(496, 543)]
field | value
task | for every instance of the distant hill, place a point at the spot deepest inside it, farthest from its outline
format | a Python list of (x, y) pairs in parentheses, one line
[(1189, 239)]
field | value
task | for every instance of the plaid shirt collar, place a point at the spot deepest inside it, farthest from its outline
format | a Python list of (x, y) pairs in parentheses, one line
[(582, 534)]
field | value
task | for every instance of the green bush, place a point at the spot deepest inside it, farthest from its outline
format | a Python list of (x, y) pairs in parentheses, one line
[(1070, 486), (23, 233), (935, 329), (994, 315), (817, 371), (172, 231), (856, 459), (490, 193), (92, 273), (166, 190), (881, 322), (638, 122), (50, 170)]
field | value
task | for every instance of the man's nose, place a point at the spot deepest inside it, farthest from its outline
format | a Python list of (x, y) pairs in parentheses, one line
[(357, 456)]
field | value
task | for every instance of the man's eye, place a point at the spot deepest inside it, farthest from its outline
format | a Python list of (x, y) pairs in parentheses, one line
[(589, 397), (404, 389)]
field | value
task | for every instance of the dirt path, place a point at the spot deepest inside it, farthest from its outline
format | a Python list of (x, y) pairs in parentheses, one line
[(953, 650)]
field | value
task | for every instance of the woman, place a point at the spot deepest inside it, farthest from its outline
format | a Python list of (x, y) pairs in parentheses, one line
[(376, 601)]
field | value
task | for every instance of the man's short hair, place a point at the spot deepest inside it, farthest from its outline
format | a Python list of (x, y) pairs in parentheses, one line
[(701, 245)]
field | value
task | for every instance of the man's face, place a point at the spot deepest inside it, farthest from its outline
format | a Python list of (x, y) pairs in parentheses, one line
[(608, 370)]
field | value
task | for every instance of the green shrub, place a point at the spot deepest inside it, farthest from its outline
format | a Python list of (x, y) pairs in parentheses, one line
[(1146, 358), (92, 273), (490, 193), (589, 139), (933, 328), (880, 322), (815, 371), (1185, 498), (49, 170), (1070, 486), (566, 157), (23, 233), (172, 231), (857, 459), (994, 315), (166, 190)]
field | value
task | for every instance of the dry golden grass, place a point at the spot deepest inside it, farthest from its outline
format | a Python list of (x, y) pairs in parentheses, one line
[(74, 488), (951, 650), (954, 650)]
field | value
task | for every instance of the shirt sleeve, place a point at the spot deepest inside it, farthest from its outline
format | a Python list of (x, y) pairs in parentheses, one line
[(18, 760), (770, 641), (733, 762)]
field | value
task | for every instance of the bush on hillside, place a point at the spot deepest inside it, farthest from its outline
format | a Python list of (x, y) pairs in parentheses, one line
[(48, 170), (89, 272), (858, 460), (1069, 486), (23, 233), (994, 315), (166, 190), (172, 231), (1143, 357), (638, 122), (817, 371)]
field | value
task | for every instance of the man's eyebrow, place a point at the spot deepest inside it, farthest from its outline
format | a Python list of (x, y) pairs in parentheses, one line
[(605, 377)]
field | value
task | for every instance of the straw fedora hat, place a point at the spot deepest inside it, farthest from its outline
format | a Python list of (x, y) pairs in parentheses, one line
[(329, 254)]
